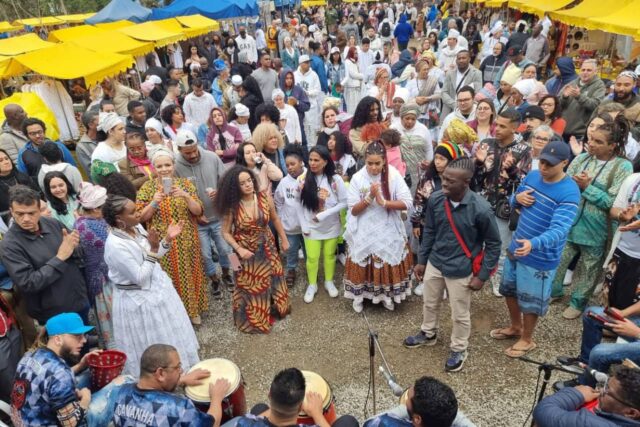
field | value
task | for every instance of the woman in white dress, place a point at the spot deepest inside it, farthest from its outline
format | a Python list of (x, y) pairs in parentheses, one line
[(289, 115), (353, 81), (111, 148), (379, 259), (146, 307)]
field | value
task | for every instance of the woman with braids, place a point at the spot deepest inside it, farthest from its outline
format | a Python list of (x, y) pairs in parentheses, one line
[(146, 307), (368, 111), (220, 137), (379, 260), (261, 294), (323, 196), (158, 209), (599, 173)]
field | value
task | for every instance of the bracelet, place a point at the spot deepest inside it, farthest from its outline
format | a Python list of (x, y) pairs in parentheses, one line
[(155, 205), (384, 203)]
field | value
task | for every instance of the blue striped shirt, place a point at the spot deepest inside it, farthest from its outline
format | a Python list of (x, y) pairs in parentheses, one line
[(547, 222)]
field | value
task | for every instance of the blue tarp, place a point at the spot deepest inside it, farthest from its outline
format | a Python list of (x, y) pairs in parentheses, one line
[(118, 10), (218, 9)]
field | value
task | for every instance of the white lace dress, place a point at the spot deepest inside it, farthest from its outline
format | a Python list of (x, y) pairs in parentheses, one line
[(379, 260), (146, 307)]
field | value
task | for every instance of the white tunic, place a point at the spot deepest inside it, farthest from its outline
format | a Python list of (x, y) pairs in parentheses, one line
[(150, 312), (328, 225)]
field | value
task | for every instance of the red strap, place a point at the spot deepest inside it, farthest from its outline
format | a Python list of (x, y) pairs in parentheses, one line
[(447, 209)]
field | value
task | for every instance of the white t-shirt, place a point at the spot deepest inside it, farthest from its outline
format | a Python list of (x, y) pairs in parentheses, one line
[(629, 240)]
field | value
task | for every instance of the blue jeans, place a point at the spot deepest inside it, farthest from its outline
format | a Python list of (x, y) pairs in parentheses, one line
[(601, 356), (295, 243), (212, 233)]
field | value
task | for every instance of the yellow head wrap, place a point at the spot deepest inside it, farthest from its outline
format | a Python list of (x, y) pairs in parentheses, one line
[(460, 133)]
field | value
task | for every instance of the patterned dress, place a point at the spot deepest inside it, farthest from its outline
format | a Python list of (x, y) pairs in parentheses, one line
[(93, 233), (183, 263), (261, 292)]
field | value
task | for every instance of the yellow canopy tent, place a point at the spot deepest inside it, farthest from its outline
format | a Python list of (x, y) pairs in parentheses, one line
[(72, 33), (76, 18), (34, 106), (199, 21), (174, 26), (45, 21), (118, 43), (7, 26), (622, 21), (494, 3), (580, 16), (538, 7), (309, 3), (115, 25), (151, 32), (22, 44), (69, 61)]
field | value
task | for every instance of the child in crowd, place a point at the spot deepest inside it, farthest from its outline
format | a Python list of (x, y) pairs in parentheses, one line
[(391, 140), (239, 116)]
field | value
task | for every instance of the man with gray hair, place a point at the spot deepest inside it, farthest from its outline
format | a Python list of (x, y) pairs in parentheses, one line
[(580, 98)]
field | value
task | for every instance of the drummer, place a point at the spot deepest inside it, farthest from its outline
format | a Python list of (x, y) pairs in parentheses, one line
[(152, 401), (287, 400), (428, 403)]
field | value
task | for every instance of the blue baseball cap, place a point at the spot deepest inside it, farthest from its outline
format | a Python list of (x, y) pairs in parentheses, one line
[(66, 323), (555, 152)]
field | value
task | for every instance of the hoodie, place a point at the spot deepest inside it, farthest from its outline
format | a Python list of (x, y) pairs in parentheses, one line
[(205, 173), (404, 60), (567, 74), (71, 172), (212, 138), (287, 202), (403, 31), (296, 92)]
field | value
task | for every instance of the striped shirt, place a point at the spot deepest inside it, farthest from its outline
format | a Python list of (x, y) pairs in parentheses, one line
[(547, 222)]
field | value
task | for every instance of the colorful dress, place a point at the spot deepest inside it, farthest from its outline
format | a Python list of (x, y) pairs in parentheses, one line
[(378, 259), (261, 292), (183, 263), (93, 233)]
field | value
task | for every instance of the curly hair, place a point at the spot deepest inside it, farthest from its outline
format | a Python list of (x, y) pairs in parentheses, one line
[(30, 121), (57, 204), (118, 185), (435, 402), (167, 113), (629, 379), (113, 206), (240, 160), (270, 111), (309, 195), (229, 192), (361, 115), (372, 131), (263, 133)]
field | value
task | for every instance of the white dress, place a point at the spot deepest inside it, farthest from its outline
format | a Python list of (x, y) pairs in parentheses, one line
[(106, 153), (150, 311)]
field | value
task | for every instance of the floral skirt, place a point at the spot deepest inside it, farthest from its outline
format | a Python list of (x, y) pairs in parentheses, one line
[(378, 281)]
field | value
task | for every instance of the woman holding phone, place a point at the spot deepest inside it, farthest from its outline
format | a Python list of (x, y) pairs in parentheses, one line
[(167, 199)]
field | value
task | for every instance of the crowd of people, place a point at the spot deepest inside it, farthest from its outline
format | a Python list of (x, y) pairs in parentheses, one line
[(425, 149)]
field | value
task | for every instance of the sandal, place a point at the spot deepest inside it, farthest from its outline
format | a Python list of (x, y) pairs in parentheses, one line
[(216, 292), (519, 352), (498, 334)]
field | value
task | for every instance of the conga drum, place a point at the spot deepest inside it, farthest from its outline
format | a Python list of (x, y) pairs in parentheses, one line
[(234, 404), (319, 385)]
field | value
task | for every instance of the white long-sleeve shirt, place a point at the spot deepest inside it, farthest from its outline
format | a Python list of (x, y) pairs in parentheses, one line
[(287, 201), (197, 108), (353, 77), (248, 45), (292, 127), (328, 225)]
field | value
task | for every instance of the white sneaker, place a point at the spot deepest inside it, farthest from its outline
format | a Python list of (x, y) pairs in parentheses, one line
[(331, 288), (358, 306), (342, 259), (300, 254), (445, 295), (388, 305), (311, 292), (495, 286), (419, 289), (568, 277)]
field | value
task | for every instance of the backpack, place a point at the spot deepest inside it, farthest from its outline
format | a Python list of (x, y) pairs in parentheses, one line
[(385, 31)]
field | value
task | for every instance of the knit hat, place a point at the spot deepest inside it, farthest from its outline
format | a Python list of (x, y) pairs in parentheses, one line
[(449, 151), (92, 196), (236, 80), (533, 112), (155, 124), (511, 74), (242, 110)]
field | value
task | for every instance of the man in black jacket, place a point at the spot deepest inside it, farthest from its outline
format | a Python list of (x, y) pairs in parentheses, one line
[(41, 258)]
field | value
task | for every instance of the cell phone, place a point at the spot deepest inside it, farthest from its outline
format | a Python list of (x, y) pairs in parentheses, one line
[(234, 260), (601, 319), (614, 314), (167, 183)]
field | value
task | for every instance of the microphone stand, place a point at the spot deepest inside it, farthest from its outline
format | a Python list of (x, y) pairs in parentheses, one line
[(373, 344)]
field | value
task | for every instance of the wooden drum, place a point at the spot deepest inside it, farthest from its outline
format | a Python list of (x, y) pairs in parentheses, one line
[(316, 383)]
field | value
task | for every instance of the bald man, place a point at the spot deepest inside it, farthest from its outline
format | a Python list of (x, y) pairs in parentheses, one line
[(12, 139)]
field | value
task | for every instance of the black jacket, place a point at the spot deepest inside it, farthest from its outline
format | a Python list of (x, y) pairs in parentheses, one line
[(131, 127), (50, 286), (6, 182)]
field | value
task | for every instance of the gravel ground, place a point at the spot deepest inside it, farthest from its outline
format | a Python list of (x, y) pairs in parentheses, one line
[(328, 337)]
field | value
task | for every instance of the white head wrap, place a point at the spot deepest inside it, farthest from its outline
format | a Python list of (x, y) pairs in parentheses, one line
[(155, 124), (401, 93), (525, 87), (276, 93), (92, 196), (161, 152), (453, 34), (107, 121), (498, 26)]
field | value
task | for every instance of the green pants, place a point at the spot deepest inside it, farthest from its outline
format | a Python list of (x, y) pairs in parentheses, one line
[(585, 276), (313, 248)]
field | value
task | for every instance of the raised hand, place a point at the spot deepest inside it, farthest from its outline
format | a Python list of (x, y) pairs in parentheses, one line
[(69, 242), (174, 230)]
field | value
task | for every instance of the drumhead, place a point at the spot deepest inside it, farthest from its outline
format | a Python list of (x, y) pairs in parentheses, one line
[(404, 397), (219, 368), (315, 382)]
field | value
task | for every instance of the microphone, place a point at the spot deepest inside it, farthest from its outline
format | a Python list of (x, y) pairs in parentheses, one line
[(600, 377), (391, 382)]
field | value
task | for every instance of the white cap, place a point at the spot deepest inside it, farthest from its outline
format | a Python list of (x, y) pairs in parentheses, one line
[(185, 137), (242, 110), (453, 34), (154, 79), (236, 80), (303, 58), (334, 49)]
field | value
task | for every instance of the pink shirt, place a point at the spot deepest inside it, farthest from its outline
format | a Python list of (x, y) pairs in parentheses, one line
[(394, 157)]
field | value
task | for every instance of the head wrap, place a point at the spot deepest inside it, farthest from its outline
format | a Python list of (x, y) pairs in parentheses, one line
[(427, 54), (155, 124), (92, 196), (242, 110), (100, 169), (511, 74), (630, 74), (147, 86), (154, 79), (453, 34), (460, 133), (410, 108), (525, 87), (379, 72), (108, 121), (160, 152), (331, 101), (277, 93), (449, 151), (497, 27), (402, 93)]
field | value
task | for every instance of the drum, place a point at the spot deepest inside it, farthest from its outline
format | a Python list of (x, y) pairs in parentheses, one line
[(234, 403), (318, 384), (404, 397)]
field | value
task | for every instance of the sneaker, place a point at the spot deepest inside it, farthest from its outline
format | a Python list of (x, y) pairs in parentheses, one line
[(342, 259), (311, 292), (571, 313), (455, 361), (331, 288), (568, 276), (419, 289), (495, 286), (388, 305), (559, 385), (420, 339), (358, 306)]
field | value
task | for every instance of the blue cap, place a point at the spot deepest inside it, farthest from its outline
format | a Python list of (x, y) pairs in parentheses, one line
[(219, 64), (555, 152), (66, 323)]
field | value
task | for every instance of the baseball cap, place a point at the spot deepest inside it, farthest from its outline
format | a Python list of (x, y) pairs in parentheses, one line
[(514, 51), (334, 49), (304, 58), (66, 323), (533, 112), (185, 137), (555, 152), (155, 80)]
